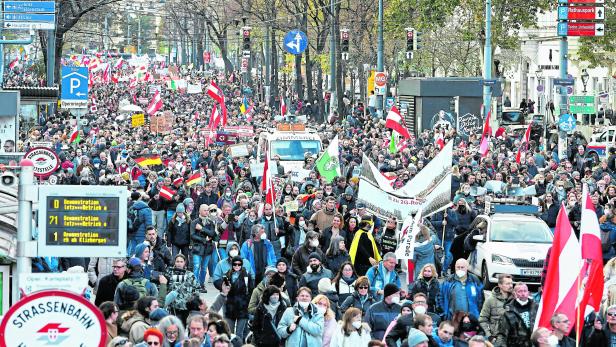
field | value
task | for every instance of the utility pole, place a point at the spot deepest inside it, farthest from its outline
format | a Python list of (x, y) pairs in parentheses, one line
[(333, 101), (562, 136), (268, 52), (51, 57), (487, 61), (379, 58)]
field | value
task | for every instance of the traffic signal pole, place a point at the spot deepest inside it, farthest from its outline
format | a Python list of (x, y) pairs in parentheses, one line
[(487, 61), (562, 136), (379, 59)]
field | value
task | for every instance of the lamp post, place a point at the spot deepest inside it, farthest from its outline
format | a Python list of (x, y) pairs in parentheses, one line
[(539, 75), (585, 78)]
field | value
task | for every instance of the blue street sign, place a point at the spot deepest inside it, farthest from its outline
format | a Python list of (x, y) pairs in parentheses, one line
[(564, 81), (563, 13), (566, 122), (29, 17), (30, 6), (561, 27), (488, 82), (295, 42), (74, 87)]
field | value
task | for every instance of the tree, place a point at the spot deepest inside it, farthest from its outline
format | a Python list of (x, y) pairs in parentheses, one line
[(601, 50), (68, 15)]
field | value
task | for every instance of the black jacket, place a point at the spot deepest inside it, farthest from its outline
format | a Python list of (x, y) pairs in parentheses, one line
[(106, 288), (160, 256), (264, 325), (512, 330), (236, 306), (355, 301), (431, 289), (202, 244), (178, 235)]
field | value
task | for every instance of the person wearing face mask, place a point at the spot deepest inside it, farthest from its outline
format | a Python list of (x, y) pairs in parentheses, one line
[(258, 251), (352, 331), (300, 260), (202, 235), (249, 219), (543, 337), (178, 232), (302, 324), (517, 322), (330, 327), (266, 318), (181, 285), (314, 273), (380, 314), (364, 252), (236, 306), (462, 291), (427, 284), (223, 266), (464, 193)]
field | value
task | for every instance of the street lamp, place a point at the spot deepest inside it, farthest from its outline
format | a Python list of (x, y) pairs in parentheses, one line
[(585, 77), (539, 75)]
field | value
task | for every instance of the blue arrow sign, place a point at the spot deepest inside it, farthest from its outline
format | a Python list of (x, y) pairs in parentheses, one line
[(29, 17), (30, 6), (566, 122), (74, 84), (295, 42)]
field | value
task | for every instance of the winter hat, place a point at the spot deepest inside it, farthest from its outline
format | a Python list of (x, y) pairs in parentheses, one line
[(282, 260), (135, 196), (315, 255), (390, 289), (180, 208), (139, 249), (129, 295), (158, 314), (188, 201), (270, 269), (277, 280), (408, 304), (132, 262), (348, 191), (237, 258), (416, 337), (325, 285)]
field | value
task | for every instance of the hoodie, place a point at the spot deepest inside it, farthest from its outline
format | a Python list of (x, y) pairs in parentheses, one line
[(145, 218), (224, 266)]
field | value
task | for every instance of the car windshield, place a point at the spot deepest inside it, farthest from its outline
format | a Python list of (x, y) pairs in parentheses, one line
[(526, 232), (294, 150)]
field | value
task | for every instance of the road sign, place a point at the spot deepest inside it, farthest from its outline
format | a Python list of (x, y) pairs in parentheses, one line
[(74, 87), (580, 29), (29, 17), (582, 99), (82, 223), (563, 82), (45, 161), (581, 12), (380, 83), (53, 318), (28, 25), (540, 88), (566, 122), (488, 82), (295, 42), (30, 6), (582, 104), (584, 109)]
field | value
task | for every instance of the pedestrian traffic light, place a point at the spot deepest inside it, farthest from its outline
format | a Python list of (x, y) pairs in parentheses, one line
[(344, 41), (416, 40), (246, 39), (410, 35)]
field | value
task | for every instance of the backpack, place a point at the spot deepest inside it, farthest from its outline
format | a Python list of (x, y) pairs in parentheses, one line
[(134, 222), (139, 285)]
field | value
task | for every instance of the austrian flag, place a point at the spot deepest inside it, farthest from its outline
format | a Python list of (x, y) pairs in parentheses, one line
[(394, 122), (166, 193), (156, 104)]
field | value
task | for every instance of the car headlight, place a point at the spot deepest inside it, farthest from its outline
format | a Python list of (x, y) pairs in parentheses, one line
[(501, 260)]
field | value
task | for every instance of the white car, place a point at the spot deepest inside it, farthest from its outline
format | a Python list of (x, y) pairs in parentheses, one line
[(509, 243)]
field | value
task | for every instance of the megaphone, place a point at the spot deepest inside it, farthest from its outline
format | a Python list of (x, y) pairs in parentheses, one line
[(8, 179)]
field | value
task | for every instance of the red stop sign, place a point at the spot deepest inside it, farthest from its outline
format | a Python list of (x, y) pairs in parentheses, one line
[(380, 79)]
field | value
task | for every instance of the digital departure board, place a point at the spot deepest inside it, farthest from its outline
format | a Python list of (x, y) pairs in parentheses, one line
[(82, 221)]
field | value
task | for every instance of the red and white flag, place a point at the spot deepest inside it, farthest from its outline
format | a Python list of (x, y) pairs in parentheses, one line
[(592, 280), (266, 184), (74, 135), (215, 92), (107, 74), (119, 64), (523, 144), (166, 193), (485, 136), (283, 107), (394, 122), (560, 288), (155, 105), (14, 63), (214, 118)]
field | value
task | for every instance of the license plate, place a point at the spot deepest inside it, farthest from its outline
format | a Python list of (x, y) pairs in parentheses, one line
[(531, 272)]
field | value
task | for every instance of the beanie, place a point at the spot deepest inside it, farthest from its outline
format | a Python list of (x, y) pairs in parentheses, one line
[(180, 208), (416, 337), (158, 314), (135, 196), (139, 250), (390, 289), (315, 255)]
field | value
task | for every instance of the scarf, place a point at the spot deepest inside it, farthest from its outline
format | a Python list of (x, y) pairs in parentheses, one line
[(355, 244), (272, 308)]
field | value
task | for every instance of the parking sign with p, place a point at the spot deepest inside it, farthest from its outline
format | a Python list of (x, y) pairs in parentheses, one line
[(74, 87)]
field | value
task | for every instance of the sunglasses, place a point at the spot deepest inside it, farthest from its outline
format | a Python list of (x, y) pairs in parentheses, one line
[(362, 287), (237, 264), (121, 343), (611, 314)]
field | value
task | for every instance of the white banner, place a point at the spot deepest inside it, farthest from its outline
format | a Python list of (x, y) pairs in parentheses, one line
[(409, 230), (194, 89)]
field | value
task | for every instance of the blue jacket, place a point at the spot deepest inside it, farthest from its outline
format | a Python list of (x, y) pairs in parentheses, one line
[(376, 276), (224, 266), (247, 253), (609, 227), (145, 218), (379, 316), (441, 343), (474, 293), (309, 329)]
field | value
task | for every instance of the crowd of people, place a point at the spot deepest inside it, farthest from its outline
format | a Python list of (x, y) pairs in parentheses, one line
[(325, 274)]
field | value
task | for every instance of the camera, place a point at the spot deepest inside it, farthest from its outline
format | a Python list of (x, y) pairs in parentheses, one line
[(226, 281)]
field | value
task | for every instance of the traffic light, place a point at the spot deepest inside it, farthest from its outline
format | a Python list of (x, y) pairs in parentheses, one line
[(246, 39), (410, 39), (344, 41), (416, 40)]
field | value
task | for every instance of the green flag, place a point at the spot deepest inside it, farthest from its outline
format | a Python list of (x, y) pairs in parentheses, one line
[(393, 148), (328, 164), (172, 85)]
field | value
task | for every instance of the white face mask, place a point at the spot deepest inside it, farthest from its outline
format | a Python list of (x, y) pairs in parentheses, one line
[(213, 214), (321, 310), (460, 273), (552, 340), (395, 299), (420, 309), (314, 243), (263, 236), (522, 302), (233, 253), (356, 324), (302, 223), (303, 304)]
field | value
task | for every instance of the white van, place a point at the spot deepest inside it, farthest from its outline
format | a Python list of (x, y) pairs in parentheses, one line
[(290, 142)]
